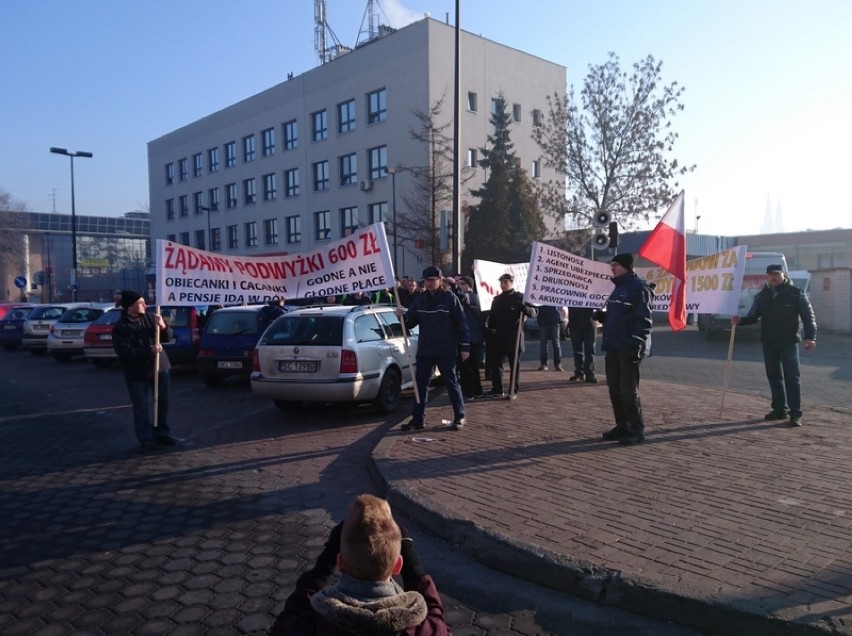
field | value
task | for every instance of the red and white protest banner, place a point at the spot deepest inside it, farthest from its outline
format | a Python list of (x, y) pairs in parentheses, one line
[(487, 276), (359, 262)]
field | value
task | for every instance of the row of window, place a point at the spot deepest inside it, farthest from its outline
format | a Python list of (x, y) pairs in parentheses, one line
[(473, 106), (377, 111), (322, 230)]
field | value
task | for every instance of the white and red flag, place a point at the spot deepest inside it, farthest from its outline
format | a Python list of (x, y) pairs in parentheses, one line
[(666, 247)]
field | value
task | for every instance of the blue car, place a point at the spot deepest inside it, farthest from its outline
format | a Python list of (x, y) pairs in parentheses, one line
[(186, 325), (12, 326), (228, 341)]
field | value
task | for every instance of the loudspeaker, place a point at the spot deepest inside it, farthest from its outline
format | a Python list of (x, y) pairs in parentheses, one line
[(601, 220), (600, 241)]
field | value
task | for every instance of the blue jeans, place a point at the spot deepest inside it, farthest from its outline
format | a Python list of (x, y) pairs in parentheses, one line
[(549, 333), (140, 393), (583, 343), (622, 379), (447, 367), (782, 371)]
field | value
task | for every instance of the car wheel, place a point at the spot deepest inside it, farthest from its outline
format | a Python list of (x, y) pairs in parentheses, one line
[(62, 357), (102, 363), (287, 405), (388, 398), (212, 380)]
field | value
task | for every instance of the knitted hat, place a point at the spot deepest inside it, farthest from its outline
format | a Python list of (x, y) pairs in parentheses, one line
[(775, 267), (432, 272), (128, 298), (625, 260), (468, 280)]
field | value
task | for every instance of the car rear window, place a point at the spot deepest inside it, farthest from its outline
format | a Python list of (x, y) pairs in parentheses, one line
[(305, 330), (84, 314), (46, 313), (231, 323), (108, 318), (175, 316)]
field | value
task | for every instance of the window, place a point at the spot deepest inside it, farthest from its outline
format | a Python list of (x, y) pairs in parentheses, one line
[(198, 202), (536, 169), (377, 106), (216, 239), (348, 220), (249, 191), (213, 160), (171, 237), (294, 229), (536, 117), (378, 212), (183, 204), (197, 165), (471, 102), (170, 173), (184, 238), (291, 134), (183, 170), (367, 329), (291, 182), (213, 196), (270, 190), (472, 158), (270, 231), (251, 234), (231, 195), (248, 148), (516, 112), (346, 116), (321, 175), (322, 223), (319, 125), (349, 169), (268, 142), (170, 209), (230, 154), (199, 239), (233, 237), (378, 162)]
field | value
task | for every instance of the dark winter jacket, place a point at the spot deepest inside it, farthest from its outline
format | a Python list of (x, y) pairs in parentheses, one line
[(470, 304), (580, 318), (507, 310), (443, 326), (548, 315), (779, 310), (627, 323), (133, 341)]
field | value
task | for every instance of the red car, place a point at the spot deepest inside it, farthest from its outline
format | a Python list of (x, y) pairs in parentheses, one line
[(97, 341)]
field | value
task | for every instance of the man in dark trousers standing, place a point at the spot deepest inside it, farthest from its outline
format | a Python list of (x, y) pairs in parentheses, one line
[(507, 312), (779, 306), (443, 337), (134, 341), (626, 340), (581, 329)]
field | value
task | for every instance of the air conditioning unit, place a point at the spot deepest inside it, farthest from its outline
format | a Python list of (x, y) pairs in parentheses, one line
[(367, 185)]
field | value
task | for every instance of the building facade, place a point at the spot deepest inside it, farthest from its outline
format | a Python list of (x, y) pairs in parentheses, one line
[(308, 160)]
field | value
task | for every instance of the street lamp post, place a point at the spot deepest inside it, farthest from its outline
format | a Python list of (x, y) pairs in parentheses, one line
[(209, 246), (393, 172), (86, 155)]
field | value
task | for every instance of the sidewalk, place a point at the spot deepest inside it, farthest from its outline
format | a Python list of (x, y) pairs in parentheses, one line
[(730, 524)]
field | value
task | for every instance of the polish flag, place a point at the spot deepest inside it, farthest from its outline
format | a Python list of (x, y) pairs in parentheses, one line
[(666, 247)]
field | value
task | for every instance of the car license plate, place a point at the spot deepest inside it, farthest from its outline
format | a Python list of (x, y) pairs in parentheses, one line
[(298, 366), (69, 333), (10, 327), (228, 364), (105, 336), (41, 327)]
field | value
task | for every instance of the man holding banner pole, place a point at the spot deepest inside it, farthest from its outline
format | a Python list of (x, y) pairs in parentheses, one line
[(505, 323)]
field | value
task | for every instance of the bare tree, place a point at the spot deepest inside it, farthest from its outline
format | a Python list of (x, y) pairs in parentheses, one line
[(12, 226), (611, 144)]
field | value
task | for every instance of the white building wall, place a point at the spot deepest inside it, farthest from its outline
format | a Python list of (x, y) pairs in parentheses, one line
[(415, 67)]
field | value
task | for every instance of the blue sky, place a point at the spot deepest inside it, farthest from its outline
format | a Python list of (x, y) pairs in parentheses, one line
[(768, 116)]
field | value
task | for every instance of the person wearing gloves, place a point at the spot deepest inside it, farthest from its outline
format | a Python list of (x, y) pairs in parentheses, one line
[(368, 549), (507, 311), (627, 326)]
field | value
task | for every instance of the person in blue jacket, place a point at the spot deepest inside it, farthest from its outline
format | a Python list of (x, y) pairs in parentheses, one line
[(443, 336), (626, 340)]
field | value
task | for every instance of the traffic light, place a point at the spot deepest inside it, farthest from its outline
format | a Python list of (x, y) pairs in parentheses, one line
[(606, 231)]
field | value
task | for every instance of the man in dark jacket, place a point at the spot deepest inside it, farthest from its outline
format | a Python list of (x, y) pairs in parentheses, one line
[(581, 329), (369, 549), (443, 336), (549, 330), (626, 340), (134, 340), (507, 312), (471, 384), (779, 306)]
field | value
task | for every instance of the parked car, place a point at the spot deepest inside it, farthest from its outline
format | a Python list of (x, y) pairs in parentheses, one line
[(65, 338), (6, 307), (186, 324), (37, 325), (12, 327), (97, 341), (333, 354), (228, 341)]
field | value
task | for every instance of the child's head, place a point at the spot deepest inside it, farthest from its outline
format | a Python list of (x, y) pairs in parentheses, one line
[(370, 541)]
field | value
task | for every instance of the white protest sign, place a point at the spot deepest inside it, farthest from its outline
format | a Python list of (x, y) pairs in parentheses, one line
[(487, 276), (358, 262)]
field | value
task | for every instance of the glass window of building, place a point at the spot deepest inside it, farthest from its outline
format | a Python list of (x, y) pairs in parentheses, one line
[(377, 106), (233, 237), (183, 204), (213, 196), (294, 228), (516, 113), (197, 164), (320, 175), (319, 125), (349, 169), (322, 225), (346, 116), (184, 238), (183, 169), (213, 160), (216, 239), (268, 142), (248, 148), (170, 173), (251, 234), (471, 101), (291, 134), (198, 202), (378, 162), (291, 182), (230, 154), (348, 220), (249, 191), (171, 237), (536, 117), (270, 190), (270, 231), (472, 158), (231, 195), (378, 212), (199, 239), (536, 169), (170, 209)]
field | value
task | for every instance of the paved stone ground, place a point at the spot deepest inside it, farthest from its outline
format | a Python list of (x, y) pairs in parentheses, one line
[(728, 523)]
